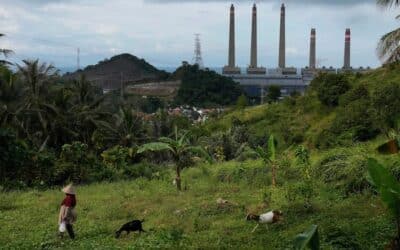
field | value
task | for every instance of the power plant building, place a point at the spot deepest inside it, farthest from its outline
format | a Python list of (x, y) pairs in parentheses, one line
[(256, 80)]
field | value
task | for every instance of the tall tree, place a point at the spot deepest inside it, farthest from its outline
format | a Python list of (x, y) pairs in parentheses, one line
[(38, 77), (389, 45)]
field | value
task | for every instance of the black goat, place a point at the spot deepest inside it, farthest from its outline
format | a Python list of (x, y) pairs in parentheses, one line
[(135, 225)]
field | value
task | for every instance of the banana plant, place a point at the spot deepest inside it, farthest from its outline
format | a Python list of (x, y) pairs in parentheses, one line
[(178, 147), (268, 156), (309, 238), (388, 187)]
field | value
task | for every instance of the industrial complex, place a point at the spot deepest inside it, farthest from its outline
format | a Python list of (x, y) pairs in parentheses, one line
[(256, 80)]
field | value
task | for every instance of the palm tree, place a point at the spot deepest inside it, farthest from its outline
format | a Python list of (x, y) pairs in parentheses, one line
[(178, 147), (37, 76), (389, 45), (126, 128), (5, 53), (83, 89), (10, 94), (269, 157)]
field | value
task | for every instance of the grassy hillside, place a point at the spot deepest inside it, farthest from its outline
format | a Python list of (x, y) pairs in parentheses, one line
[(193, 219), (305, 120)]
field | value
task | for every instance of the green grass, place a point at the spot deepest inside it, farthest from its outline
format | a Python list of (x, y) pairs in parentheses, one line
[(192, 218)]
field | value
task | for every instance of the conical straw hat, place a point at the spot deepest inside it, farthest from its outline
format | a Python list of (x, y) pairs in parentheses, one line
[(70, 189)]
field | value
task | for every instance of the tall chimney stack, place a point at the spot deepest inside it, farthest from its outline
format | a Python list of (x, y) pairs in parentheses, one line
[(282, 40), (253, 68), (253, 51), (313, 49), (231, 67), (347, 42), (231, 59)]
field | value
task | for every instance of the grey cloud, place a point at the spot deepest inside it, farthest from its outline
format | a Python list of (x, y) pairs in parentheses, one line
[(292, 2)]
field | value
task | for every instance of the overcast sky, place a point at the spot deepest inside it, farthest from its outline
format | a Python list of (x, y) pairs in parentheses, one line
[(162, 31)]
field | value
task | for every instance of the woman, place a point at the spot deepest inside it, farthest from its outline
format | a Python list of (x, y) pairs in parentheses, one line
[(67, 214)]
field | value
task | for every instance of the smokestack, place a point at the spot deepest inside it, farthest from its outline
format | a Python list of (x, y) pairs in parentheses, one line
[(231, 68), (347, 42), (231, 59), (282, 40), (253, 52), (253, 69), (312, 49)]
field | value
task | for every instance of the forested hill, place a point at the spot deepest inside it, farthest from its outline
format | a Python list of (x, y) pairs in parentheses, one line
[(109, 72)]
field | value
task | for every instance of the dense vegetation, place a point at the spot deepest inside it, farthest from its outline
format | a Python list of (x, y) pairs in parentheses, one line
[(318, 173), (205, 88), (309, 156)]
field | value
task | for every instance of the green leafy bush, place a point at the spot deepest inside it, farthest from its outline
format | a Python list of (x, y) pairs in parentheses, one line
[(387, 102), (356, 93), (340, 238), (343, 169), (144, 169), (330, 87), (274, 93), (358, 118), (388, 188), (14, 155), (76, 164)]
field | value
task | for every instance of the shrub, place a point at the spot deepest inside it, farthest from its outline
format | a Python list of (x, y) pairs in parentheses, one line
[(143, 169), (387, 102), (247, 154), (340, 239), (344, 169), (241, 102), (358, 118), (274, 93), (330, 87), (247, 172), (357, 93), (42, 169), (77, 164), (116, 158), (14, 155), (151, 104), (328, 139)]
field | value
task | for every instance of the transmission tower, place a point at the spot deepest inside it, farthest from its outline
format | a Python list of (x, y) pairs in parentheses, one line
[(197, 58), (78, 59)]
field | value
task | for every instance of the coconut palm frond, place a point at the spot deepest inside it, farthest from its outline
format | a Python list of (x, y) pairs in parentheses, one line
[(6, 52), (5, 62), (389, 46), (388, 3)]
